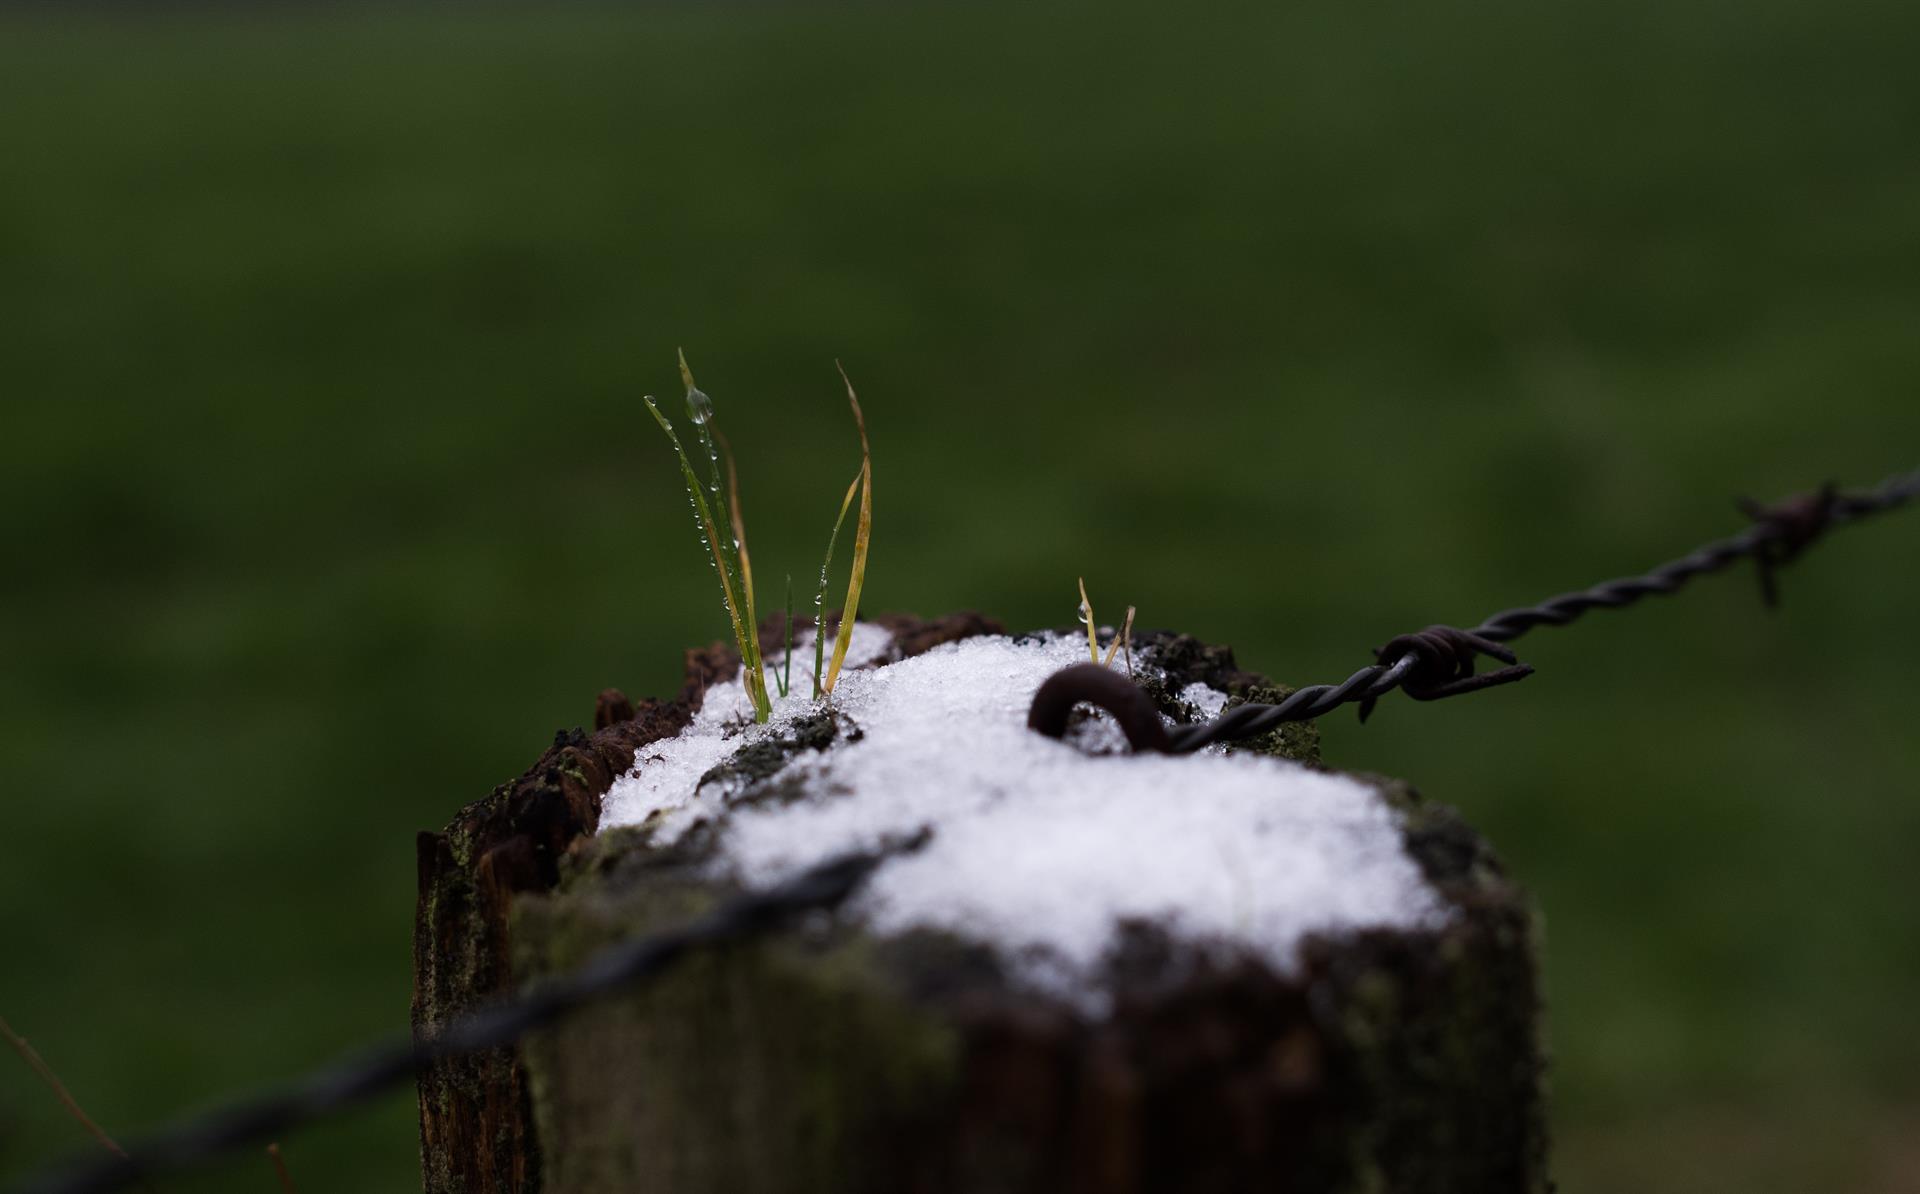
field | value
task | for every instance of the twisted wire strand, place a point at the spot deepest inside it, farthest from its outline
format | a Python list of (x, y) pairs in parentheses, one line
[(1772, 542), (359, 1077)]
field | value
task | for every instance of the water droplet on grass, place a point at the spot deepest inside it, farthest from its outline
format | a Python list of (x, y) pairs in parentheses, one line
[(699, 406)]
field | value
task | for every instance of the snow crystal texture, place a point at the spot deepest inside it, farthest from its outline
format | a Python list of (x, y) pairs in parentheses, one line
[(1038, 847)]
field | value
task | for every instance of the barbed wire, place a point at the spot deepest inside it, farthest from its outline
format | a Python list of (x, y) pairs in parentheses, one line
[(1432, 664), (341, 1085), (1439, 662)]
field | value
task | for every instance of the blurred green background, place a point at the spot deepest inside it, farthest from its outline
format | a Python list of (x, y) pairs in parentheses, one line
[(326, 494)]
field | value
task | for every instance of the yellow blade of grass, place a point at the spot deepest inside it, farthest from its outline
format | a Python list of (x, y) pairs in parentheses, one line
[(820, 597), (862, 538), (1086, 615), (1113, 648), (739, 527)]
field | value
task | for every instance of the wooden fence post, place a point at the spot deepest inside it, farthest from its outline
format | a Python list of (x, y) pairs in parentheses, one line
[(829, 1059)]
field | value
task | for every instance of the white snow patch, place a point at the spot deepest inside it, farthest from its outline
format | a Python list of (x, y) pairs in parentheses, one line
[(1037, 846), (1208, 700)]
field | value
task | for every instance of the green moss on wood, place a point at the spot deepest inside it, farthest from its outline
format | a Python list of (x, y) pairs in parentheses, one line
[(778, 1066), (1186, 660), (766, 757)]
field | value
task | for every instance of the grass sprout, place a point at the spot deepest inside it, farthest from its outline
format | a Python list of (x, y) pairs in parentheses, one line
[(862, 539), (1124, 639), (723, 532)]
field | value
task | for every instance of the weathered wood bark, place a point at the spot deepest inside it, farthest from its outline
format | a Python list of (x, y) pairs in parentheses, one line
[(476, 1129), (830, 1060), (476, 1122)]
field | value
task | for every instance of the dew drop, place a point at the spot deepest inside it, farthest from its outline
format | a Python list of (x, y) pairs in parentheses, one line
[(699, 406)]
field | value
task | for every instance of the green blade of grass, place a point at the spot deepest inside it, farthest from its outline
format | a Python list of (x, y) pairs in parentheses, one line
[(709, 528), (820, 596), (726, 501), (862, 539), (730, 548)]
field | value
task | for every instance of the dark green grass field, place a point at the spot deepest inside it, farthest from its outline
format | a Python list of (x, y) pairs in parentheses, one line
[(326, 494)]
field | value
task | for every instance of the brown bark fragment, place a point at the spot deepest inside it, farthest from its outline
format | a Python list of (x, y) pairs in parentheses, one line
[(612, 707), (475, 1117)]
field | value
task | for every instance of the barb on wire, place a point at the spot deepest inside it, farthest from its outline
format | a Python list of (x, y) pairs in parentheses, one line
[(1793, 525), (1444, 664), (344, 1084), (1438, 662)]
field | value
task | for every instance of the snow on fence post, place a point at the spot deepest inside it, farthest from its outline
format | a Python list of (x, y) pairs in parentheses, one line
[(1099, 974)]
